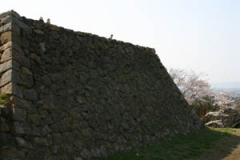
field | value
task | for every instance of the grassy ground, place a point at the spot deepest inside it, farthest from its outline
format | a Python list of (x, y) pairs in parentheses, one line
[(210, 144)]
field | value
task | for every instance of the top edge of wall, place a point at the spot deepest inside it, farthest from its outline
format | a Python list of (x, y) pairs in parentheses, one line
[(15, 14), (10, 12)]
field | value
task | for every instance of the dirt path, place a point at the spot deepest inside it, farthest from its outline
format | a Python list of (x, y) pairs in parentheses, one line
[(235, 154), (225, 149)]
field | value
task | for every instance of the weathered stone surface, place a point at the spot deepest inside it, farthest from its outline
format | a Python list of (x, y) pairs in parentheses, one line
[(5, 138), (95, 153), (6, 78), (7, 89), (25, 80), (4, 127), (6, 46), (4, 111), (19, 114), (6, 37), (34, 131), (77, 158), (80, 96), (9, 18), (23, 104), (35, 119), (38, 154), (6, 27), (9, 65), (57, 138), (42, 47), (37, 58), (21, 59), (86, 154), (41, 141), (30, 94), (22, 143), (38, 31), (19, 129), (6, 19), (10, 27), (46, 130), (12, 88), (20, 24), (15, 22), (7, 55), (103, 151), (25, 70)]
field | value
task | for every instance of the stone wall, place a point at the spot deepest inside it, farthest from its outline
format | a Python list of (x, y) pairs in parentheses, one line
[(79, 96)]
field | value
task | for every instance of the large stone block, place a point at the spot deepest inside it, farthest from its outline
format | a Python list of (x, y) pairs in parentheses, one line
[(7, 55), (12, 88), (6, 37), (19, 114), (46, 130), (41, 141), (25, 80), (30, 94), (4, 127), (19, 57), (22, 143), (6, 78), (5, 66), (34, 119), (6, 46), (20, 129), (10, 27), (9, 65)]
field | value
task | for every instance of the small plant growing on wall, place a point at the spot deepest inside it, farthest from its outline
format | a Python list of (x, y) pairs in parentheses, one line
[(122, 76), (4, 98)]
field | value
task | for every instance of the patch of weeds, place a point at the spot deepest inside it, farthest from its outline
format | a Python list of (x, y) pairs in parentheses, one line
[(122, 76), (4, 98)]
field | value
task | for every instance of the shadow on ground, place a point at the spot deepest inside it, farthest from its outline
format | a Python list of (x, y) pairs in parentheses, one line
[(206, 144), (227, 148)]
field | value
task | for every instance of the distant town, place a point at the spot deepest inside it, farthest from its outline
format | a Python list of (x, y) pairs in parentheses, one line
[(232, 92), (231, 88)]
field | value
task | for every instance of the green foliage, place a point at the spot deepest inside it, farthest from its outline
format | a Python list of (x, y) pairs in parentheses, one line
[(178, 148), (204, 106), (4, 99), (122, 76)]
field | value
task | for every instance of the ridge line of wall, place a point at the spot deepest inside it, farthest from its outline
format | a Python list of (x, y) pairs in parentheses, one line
[(15, 76)]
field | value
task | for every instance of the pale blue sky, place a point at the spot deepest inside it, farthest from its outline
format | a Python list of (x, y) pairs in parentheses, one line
[(200, 35)]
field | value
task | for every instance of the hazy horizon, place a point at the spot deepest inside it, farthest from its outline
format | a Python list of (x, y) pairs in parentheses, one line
[(226, 85)]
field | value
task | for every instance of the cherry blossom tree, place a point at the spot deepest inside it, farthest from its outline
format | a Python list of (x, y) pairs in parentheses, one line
[(193, 86), (222, 100), (197, 91)]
